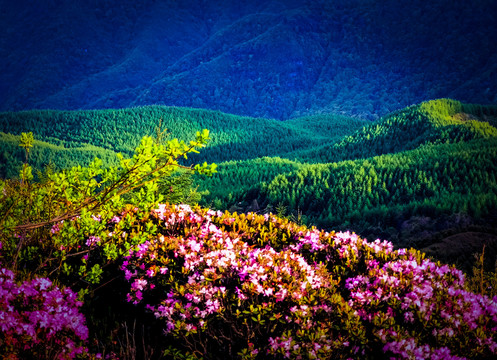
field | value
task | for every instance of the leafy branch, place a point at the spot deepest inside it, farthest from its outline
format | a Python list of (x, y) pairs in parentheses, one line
[(151, 162)]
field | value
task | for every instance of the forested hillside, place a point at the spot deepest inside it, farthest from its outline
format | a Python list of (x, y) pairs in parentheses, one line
[(232, 137), (271, 58), (410, 177), (433, 122)]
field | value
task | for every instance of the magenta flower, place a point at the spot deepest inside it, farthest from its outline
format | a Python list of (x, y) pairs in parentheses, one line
[(42, 314), (211, 269), (93, 240)]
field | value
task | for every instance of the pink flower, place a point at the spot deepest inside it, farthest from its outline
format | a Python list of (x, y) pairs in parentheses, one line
[(93, 240), (53, 313), (116, 219), (139, 284), (268, 291), (56, 227)]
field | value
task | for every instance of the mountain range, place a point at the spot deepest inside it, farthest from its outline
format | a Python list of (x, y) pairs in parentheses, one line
[(272, 59)]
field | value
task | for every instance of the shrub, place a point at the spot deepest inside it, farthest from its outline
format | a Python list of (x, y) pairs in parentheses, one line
[(38, 319), (253, 286), (68, 229)]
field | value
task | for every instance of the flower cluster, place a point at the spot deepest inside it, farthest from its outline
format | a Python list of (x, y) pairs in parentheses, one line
[(92, 241), (430, 303), (282, 290), (205, 273), (37, 319)]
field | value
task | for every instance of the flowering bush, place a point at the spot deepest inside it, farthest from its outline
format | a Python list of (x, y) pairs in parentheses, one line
[(39, 320), (255, 286), (421, 310), (70, 228), (222, 295), (47, 226)]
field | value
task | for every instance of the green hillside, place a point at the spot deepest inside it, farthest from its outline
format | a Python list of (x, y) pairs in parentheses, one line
[(232, 137), (45, 153), (410, 177), (376, 194), (240, 181), (432, 122), (445, 186)]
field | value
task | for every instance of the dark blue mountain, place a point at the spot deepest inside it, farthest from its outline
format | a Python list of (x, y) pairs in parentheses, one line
[(268, 58)]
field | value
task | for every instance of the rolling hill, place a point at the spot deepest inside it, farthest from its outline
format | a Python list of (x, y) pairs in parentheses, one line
[(120, 130), (415, 177)]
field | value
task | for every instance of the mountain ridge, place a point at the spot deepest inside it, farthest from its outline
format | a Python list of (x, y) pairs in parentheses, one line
[(266, 59)]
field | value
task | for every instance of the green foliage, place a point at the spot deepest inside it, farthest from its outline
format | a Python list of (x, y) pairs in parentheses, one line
[(26, 142), (179, 188), (32, 215), (44, 154), (237, 181), (432, 180), (69, 225)]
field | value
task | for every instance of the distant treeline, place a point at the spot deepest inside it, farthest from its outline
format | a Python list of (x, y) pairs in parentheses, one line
[(232, 137)]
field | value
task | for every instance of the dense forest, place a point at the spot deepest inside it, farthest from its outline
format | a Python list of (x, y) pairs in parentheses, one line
[(119, 130), (429, 166)]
